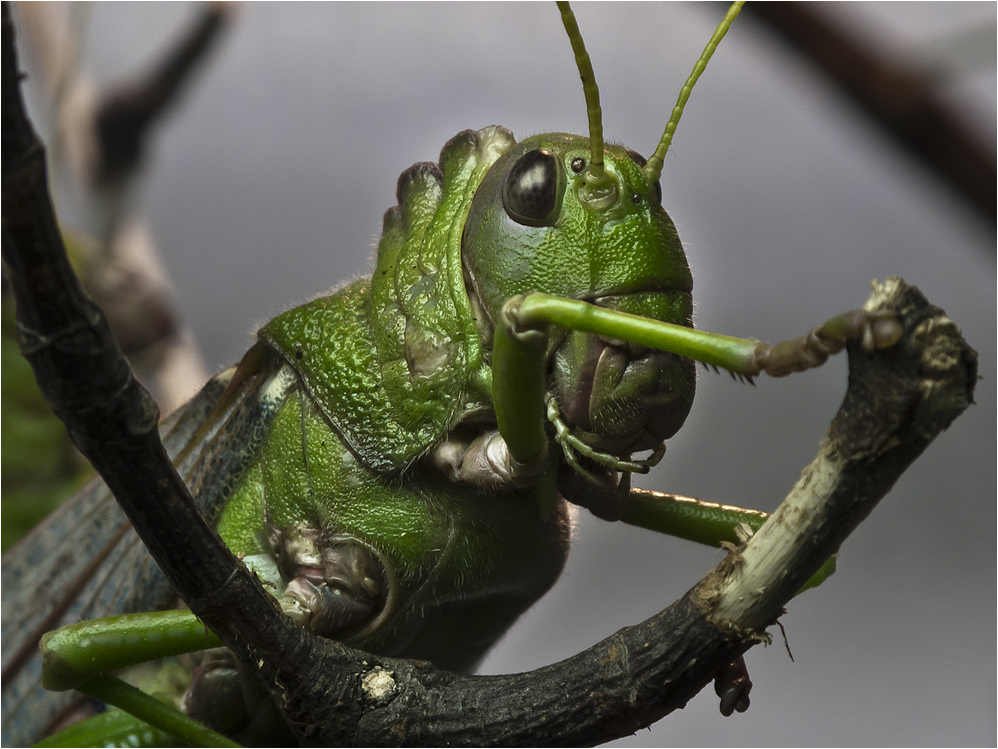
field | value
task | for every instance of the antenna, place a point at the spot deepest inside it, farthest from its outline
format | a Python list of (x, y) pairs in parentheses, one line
[(654, 166), (598, 182)]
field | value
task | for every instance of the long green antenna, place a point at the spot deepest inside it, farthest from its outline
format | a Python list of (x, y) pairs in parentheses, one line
[(596, 176), (654, 166)]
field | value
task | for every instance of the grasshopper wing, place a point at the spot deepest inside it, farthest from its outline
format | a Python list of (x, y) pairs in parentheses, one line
[(86, 561)]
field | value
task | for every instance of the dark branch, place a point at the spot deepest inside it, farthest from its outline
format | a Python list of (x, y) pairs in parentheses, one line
[(88, 384), (898, 401), (125, 117), (897, 98)]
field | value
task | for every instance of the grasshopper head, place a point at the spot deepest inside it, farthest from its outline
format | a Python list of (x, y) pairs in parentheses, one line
[(576, 217), (536, 224)]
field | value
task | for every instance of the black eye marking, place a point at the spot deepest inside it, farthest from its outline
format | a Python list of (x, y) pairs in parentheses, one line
[(578, 165), (530, 192)]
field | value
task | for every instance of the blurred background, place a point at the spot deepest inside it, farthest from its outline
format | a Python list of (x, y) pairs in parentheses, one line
[(265, 185)]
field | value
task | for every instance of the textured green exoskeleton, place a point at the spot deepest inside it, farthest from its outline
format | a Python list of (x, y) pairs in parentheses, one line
[(397, 460)]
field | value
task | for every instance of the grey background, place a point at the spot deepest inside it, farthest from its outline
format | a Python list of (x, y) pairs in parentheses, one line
[(267, 187)]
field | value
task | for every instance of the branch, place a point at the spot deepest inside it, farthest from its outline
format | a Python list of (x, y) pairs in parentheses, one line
[(899, 99), (125, 117), (86, 380), (99, 135), (898, 401)]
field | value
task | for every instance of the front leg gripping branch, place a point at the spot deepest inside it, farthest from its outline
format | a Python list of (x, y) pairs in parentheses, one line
[(741, 356), (518, 376), (521, 340), (874, 330), (81, 656)]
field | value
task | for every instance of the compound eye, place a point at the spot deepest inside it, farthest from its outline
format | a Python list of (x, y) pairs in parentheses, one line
[(533, 188)]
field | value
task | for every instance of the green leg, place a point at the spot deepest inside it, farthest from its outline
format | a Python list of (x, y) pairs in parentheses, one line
[(168, 720), (521, 337), (702, 522), (518, 372), (114, 728), (79, 657), (74, 654), (742, 356)]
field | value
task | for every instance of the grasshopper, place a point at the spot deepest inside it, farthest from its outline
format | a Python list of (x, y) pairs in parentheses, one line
[(597, 477)]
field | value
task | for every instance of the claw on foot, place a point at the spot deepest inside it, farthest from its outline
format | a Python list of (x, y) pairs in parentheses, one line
[(732, 685), (874, 330)]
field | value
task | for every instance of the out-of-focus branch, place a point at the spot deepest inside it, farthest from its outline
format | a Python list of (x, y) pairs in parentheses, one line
[(103, 137), (125, 116), (899, 99)]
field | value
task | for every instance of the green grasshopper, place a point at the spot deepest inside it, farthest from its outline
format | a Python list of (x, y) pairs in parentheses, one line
[(425, 356)]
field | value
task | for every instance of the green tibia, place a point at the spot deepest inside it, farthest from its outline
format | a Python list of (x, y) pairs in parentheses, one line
[(98, 646), (159, 715), (79, 656), (742, 356), (728, 352), (113, 728), (702, 522)]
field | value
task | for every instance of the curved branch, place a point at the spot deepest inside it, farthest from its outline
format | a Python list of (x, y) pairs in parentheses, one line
[(88, 384), (898, 401)]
